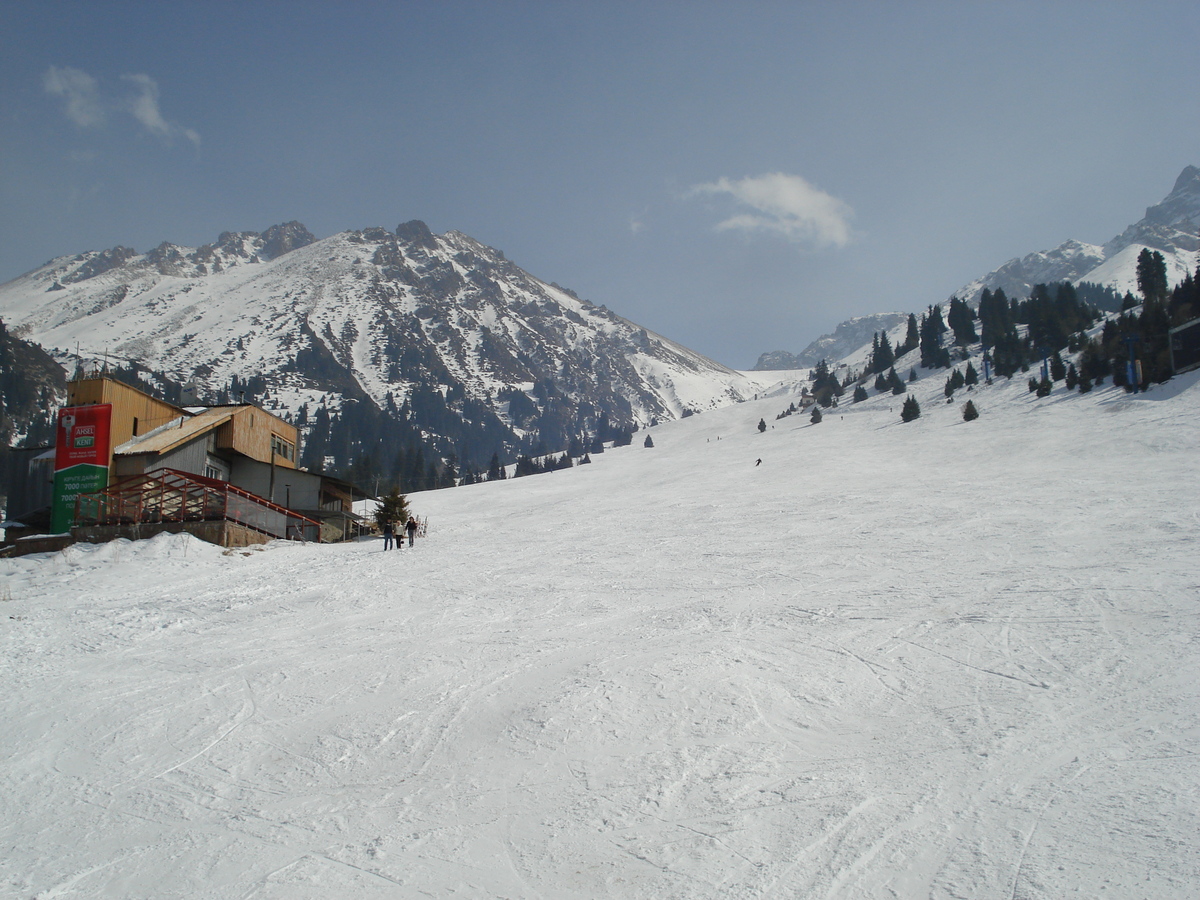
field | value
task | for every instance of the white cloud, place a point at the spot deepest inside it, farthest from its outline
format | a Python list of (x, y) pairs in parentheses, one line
[(144, 107), (787, 206), (87, 106), (84, 106)]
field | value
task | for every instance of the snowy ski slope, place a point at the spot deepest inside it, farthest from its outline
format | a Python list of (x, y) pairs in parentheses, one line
[(937, 659)]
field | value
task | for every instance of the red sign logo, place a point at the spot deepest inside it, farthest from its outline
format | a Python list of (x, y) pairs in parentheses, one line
[(83, 433)]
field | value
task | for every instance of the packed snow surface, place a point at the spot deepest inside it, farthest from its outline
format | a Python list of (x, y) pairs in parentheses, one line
[(937, 659)]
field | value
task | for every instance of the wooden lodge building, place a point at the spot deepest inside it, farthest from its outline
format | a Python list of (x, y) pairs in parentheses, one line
[(225, 473)]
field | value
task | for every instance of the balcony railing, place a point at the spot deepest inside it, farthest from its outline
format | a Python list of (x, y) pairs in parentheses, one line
[(168, 495)]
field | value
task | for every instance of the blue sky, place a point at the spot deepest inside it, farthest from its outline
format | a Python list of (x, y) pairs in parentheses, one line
[(739, 177)]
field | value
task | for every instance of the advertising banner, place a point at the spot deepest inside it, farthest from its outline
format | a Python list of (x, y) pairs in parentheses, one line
[(80, 459)]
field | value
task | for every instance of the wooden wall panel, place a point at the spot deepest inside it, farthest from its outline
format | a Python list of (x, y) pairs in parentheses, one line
[(130, 406), (249, 433)]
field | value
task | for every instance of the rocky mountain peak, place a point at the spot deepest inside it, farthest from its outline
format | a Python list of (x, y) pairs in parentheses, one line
[(1170, 226), (416, 233), (1188, 181), (280, 239)]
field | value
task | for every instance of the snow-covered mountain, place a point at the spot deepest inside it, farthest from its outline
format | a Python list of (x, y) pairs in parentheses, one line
[(1171, 227), (847, 338), (368, 316)]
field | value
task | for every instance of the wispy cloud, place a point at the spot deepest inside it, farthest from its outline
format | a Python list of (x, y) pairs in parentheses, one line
[(87, 106), (80, 91), (784, 205), (144, 106)]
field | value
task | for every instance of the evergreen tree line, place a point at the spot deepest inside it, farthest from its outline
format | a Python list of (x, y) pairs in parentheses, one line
[(1051, 316), (1138, 334), (30, 382), (31, 387)]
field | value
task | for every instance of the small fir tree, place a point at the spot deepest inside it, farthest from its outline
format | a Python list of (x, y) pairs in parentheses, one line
[(1058, 371), (762, 425), (1072, 377), (649, 442), (860, 394), (392, 508), (816, 417), (970, 413), (911, 410)]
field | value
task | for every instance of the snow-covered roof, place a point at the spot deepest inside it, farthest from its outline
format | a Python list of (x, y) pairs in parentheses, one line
[(176, 432)]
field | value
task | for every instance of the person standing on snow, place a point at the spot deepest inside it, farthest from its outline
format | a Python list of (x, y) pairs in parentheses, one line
[(411, 528), (388, 534)]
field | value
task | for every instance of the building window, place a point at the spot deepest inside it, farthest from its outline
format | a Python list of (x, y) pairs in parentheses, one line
[(213, 472), (282, 448)]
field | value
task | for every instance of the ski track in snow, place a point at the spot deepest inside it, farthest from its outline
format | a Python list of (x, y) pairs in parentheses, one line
[(935, 660)]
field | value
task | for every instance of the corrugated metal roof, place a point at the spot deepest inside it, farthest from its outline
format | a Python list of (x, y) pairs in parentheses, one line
[(176, 432)]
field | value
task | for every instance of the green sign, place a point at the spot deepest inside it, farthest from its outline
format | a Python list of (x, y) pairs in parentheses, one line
[(80, 459), (68, 485)]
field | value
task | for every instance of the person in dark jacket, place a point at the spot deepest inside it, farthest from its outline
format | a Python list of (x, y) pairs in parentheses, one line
[(411, 528), (388, 534)]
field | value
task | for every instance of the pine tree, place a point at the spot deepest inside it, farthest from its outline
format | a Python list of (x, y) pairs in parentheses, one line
[(816, 416), (762, 425), (392, 508), (970, 413), (911, 410), (649, 442), (1058, 371), (912, 337), (962, 322), (1152, 275), (933, 354), (495, 471), (885, 356), (860, 394)]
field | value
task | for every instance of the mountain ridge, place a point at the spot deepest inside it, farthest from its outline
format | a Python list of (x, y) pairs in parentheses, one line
[(372, 316), (1171, 227)]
